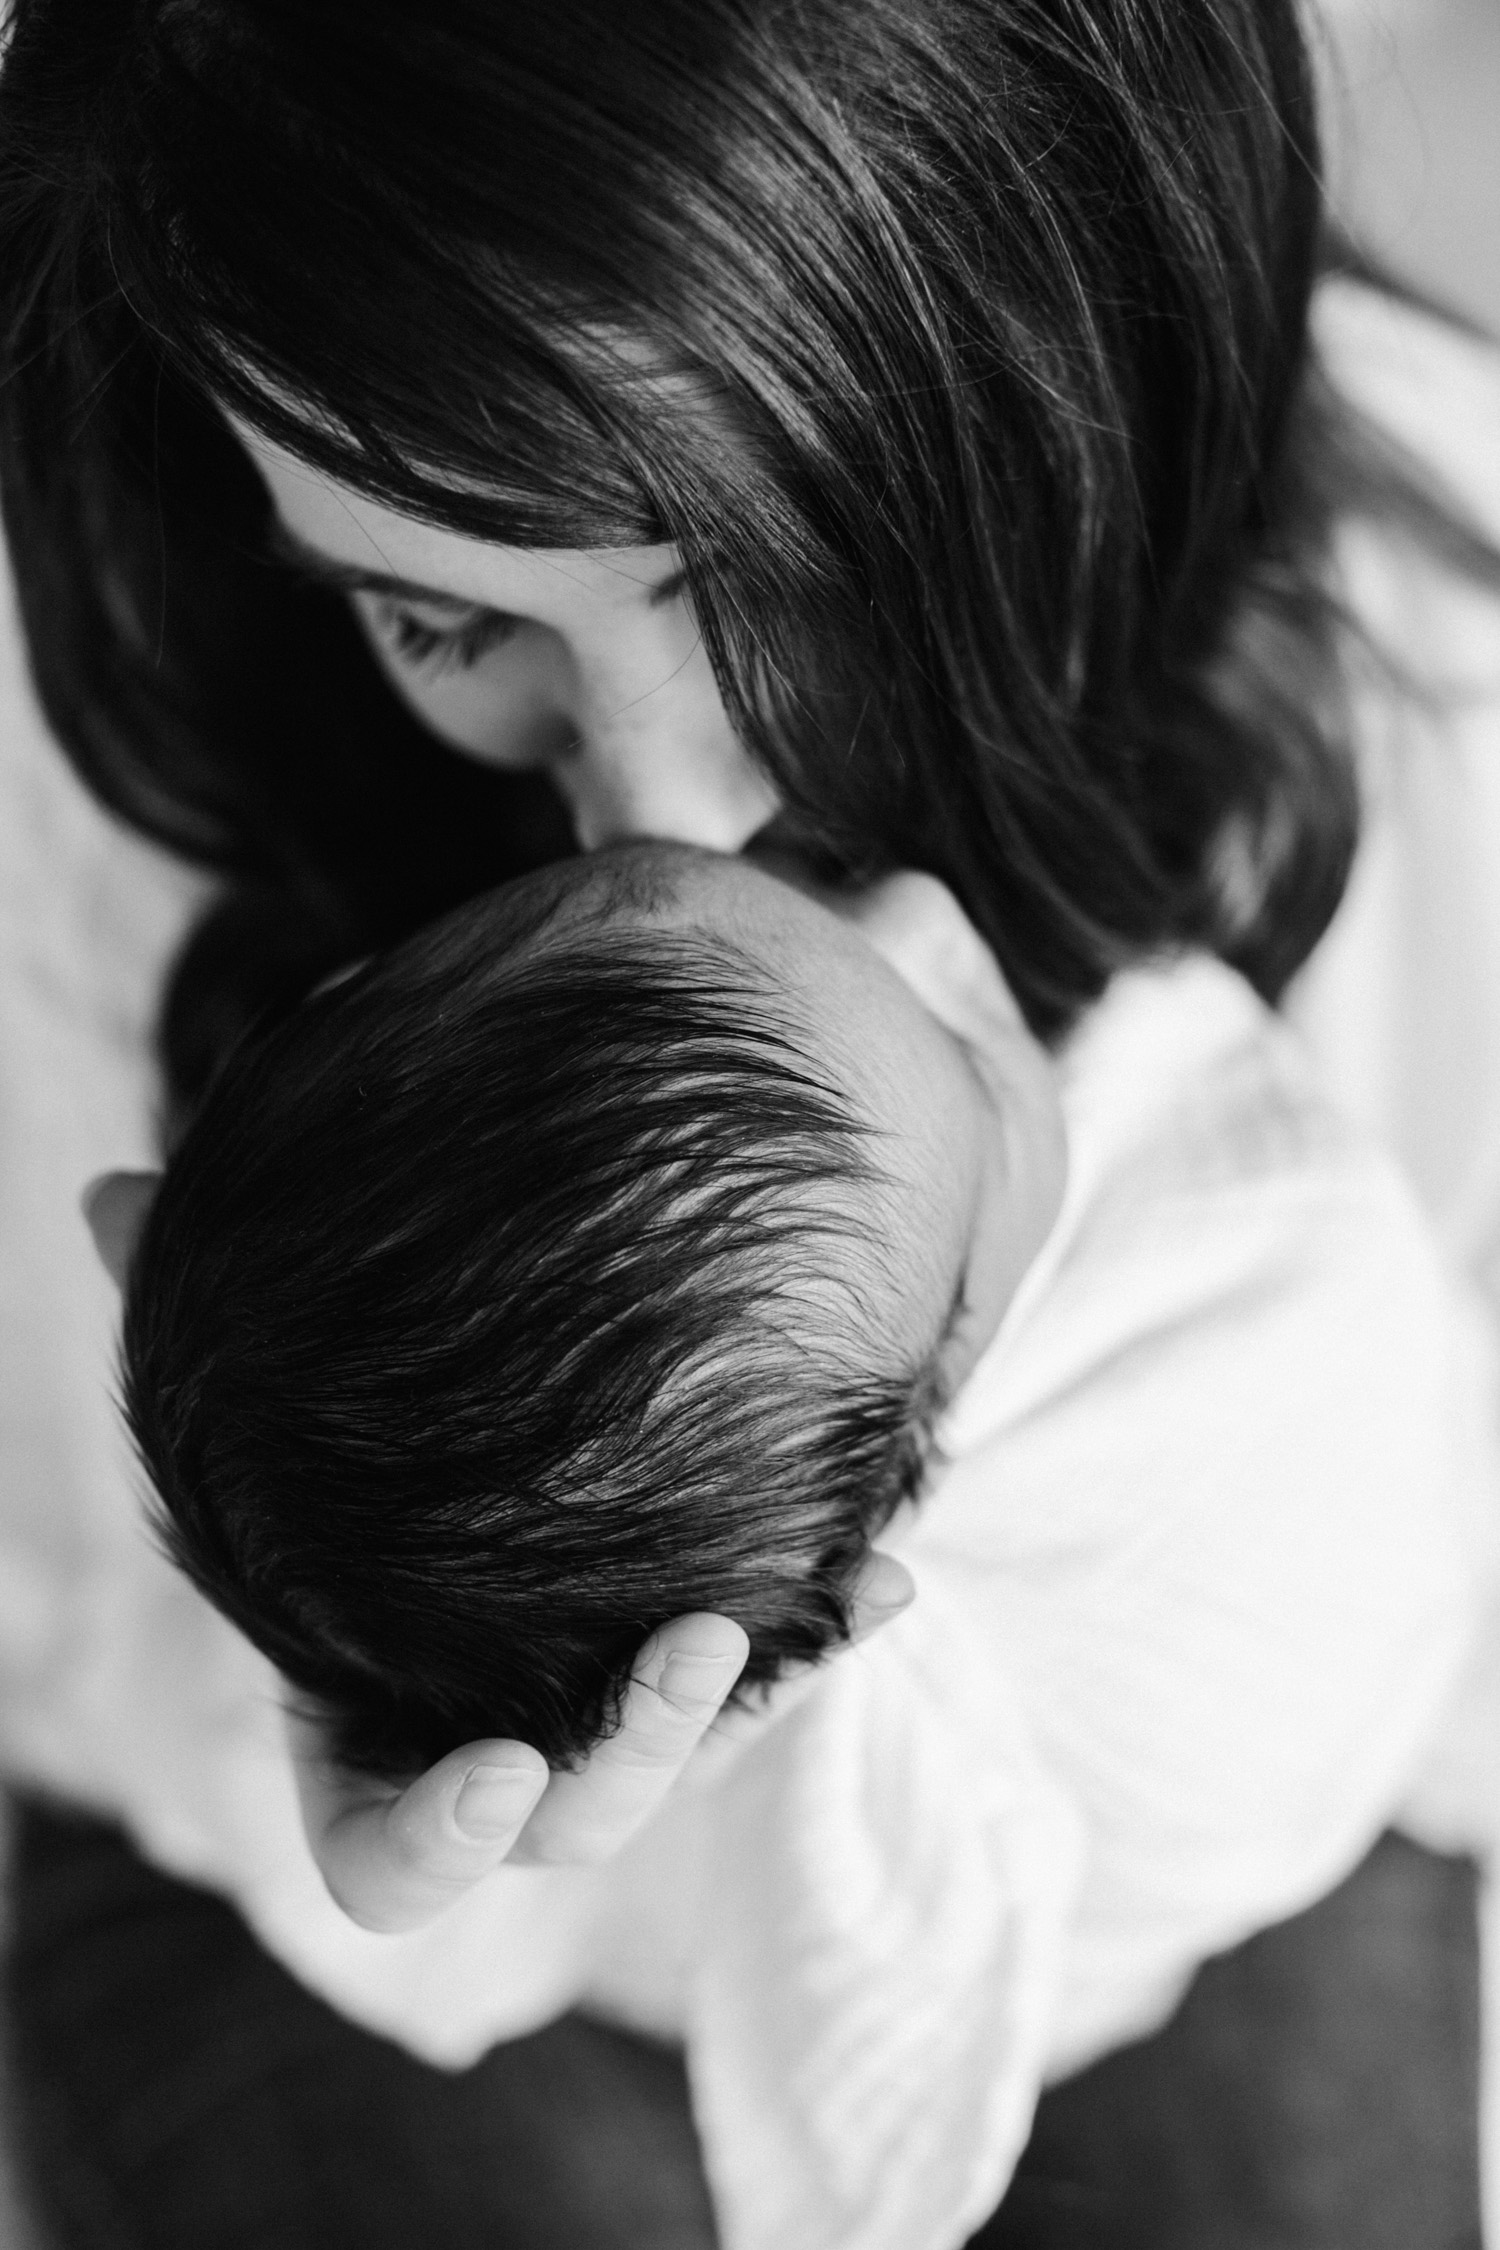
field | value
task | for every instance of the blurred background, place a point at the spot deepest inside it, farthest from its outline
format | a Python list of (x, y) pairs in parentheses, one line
[(1411, 101)]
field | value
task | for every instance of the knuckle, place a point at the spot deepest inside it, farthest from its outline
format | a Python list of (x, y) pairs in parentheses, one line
[(654, 1748), (682, 1708), (574, 1847), (349, 1897)]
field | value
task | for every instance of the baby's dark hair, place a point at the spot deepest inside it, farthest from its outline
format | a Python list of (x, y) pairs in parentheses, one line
[(501, 1303)]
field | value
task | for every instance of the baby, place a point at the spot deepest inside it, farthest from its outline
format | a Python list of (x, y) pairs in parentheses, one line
[(602, 1254), (638, 1241)]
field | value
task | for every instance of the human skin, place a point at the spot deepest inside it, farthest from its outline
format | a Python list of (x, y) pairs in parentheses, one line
[(958, 1099), (905, 1008), (588, 665)]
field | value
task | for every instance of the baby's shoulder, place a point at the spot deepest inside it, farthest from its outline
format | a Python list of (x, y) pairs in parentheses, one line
[(1240, 1359), (1182, 1083), (1225, 1235)]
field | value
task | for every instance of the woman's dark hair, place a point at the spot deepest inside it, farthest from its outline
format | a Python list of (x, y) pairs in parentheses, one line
[(491, 1313), (960, 344)]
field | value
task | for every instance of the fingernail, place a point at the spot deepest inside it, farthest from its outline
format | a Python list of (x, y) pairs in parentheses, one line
[(492, 1797), (691, 1677), (893, 1605)]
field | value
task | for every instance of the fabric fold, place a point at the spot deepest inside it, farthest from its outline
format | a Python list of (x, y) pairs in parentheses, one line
[(890, 1884)]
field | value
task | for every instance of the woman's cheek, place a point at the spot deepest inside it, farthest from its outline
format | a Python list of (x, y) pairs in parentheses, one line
[(653, 760)]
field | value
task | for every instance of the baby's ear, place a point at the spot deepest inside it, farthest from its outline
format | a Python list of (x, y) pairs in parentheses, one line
[(115, 1206)]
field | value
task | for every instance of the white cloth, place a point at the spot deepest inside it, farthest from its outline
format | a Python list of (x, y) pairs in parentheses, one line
[(1191, 1593), (1199, 1576), (1401, 1003)]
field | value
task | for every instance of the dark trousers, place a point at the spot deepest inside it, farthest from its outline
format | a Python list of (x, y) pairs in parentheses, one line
[(173, 2089)]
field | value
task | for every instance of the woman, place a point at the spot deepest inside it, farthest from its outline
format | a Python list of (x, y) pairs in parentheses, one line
[(974, 485)]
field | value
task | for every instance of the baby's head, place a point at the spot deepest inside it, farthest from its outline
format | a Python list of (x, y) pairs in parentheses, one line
[(602, 1254)]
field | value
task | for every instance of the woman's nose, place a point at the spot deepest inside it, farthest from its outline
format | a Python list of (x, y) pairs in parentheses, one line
[(653, 754)]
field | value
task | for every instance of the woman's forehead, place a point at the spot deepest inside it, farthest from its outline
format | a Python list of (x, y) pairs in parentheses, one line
[(353, 539)]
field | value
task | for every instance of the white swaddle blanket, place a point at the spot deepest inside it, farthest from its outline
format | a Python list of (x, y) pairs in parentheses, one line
[(1401, 1003), (1190, 1595)]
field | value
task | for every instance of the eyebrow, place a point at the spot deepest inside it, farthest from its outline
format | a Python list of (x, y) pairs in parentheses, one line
[(310, 562)]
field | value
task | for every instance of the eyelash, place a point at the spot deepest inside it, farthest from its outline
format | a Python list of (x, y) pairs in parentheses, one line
[(437, 649)]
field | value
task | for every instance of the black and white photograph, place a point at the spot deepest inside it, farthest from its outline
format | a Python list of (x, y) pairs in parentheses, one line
[(750, 1125)]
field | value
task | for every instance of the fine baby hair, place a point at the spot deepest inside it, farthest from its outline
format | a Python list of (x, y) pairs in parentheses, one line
[(508, 1299)]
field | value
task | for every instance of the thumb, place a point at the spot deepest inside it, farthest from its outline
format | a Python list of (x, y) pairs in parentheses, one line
[(115, 1207)]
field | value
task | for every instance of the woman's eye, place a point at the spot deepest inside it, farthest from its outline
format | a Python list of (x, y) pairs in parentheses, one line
[(443, 648)]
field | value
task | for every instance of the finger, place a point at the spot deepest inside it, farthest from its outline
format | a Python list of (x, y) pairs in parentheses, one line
[(883, 1589), (115, 1206), (395, 1859), (677, 1688)]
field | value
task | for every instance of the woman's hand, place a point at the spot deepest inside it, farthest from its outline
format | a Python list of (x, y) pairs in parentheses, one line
[(395, 1859)]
